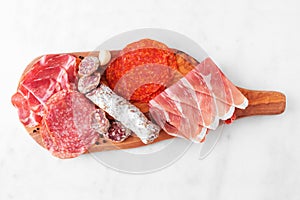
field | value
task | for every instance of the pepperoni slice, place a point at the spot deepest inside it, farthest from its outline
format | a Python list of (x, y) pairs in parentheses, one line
[(66, 130), (142, 70)]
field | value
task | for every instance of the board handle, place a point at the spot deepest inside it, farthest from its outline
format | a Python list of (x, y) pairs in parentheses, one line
[(262, 103)]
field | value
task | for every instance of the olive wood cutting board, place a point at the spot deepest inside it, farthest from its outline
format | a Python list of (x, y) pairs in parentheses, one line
[(260, 103)]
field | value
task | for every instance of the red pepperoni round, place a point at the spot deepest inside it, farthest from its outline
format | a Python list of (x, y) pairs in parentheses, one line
[(66, 129), (142, 70)]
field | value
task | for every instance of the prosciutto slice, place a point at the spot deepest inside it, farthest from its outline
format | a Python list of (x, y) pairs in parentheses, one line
[(197, 102), (47, 76)]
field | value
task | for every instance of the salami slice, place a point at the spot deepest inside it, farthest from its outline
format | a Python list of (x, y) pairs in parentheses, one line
[(117, 132), (67, 130), (99, 121), (142, 70), (88, 83), (88, 66)]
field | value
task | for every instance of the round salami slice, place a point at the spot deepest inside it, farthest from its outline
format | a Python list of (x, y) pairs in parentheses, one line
[(143, 69), (88, 83), (117, 132), (67, 130), (88, 66)]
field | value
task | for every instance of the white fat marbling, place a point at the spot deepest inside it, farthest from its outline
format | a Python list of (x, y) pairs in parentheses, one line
[(256, 42)]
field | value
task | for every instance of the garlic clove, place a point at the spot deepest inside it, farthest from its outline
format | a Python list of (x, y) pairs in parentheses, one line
[(104, 57)]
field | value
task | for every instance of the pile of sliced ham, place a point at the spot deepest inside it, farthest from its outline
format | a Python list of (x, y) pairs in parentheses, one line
[(197, 102)]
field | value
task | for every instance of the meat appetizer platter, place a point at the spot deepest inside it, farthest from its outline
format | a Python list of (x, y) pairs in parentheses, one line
[(146, 92)]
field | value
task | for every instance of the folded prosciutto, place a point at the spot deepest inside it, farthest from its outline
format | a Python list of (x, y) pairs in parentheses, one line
[(197, 102)]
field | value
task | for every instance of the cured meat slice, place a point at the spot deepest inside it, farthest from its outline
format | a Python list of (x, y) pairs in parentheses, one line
[(179, 119), (88, 83), (196, 102), (143, 82), (88, 66), (197, 106), (222, 89), (67, 129), (142, 70), (170, 113), (99, 121), (65, 61), (117, 132), (48, 75), (198, 89), (26, 115), (175, 124)]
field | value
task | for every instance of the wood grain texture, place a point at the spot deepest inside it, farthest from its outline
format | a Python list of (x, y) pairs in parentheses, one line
[(260, 103)]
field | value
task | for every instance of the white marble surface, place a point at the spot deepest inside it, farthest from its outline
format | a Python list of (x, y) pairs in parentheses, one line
[(257, 43)]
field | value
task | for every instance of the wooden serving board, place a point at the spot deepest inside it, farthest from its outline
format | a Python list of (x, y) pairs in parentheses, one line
[(260, 103)]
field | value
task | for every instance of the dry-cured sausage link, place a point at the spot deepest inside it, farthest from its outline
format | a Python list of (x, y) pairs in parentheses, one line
[(129, 115)]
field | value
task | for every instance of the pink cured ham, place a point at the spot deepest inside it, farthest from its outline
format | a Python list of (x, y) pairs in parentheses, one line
[(226, 95), (47, 76), (197, 102)]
